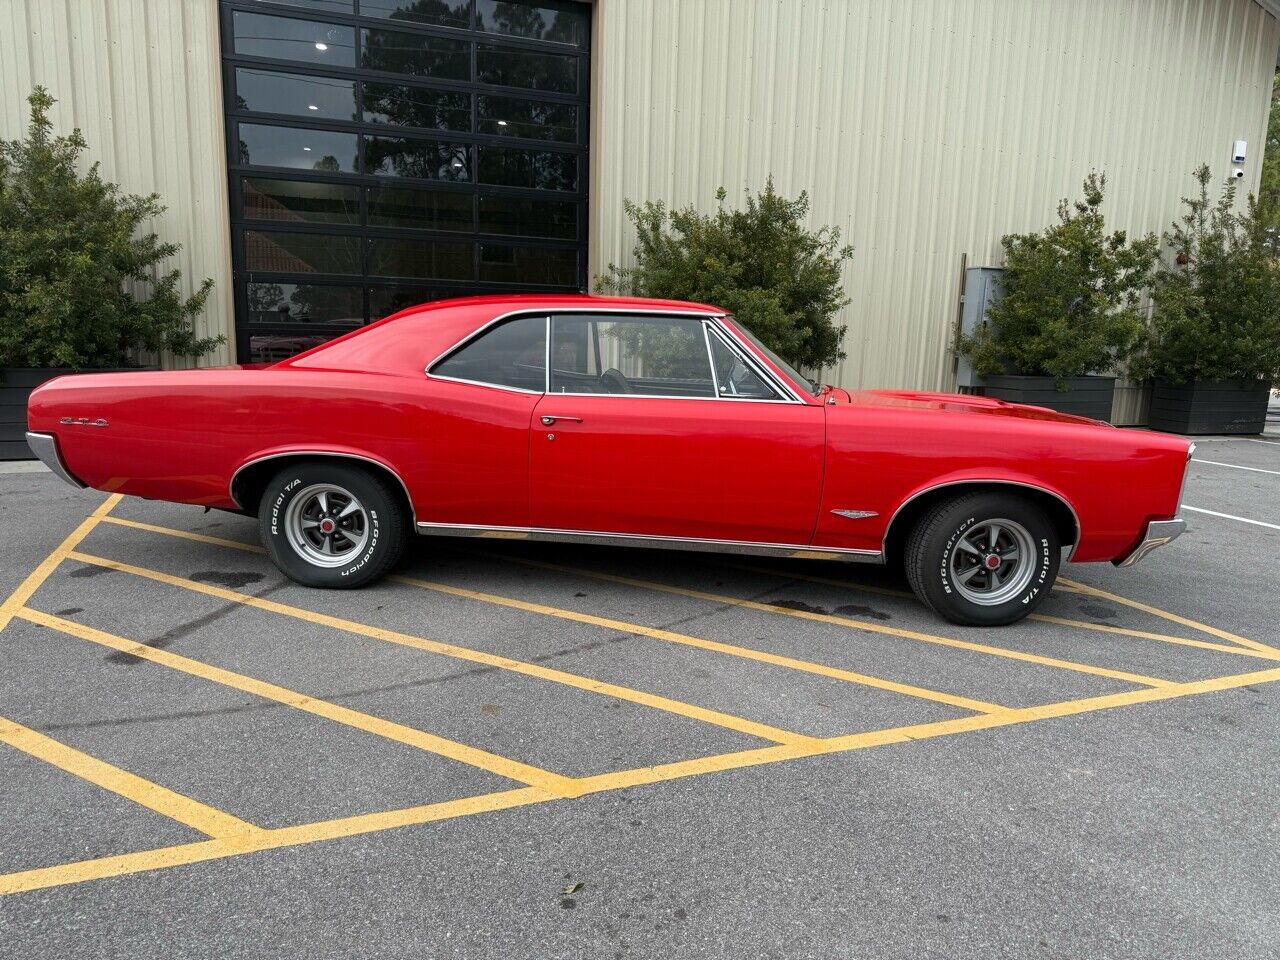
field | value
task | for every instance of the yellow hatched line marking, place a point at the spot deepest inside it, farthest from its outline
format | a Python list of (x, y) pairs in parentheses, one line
[(472, 756), (175, 806), (1173, 617), (851, 623), (185, 534), (1043, 617), (687, 710), (367, 823)]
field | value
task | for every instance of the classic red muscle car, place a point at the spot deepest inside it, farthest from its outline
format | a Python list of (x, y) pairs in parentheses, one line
[(619, 421)]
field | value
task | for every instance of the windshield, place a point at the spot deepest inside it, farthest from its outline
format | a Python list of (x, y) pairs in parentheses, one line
[(796, 377)]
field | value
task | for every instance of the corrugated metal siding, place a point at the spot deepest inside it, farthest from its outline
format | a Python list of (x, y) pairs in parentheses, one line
[(924, 129), (141, 79)]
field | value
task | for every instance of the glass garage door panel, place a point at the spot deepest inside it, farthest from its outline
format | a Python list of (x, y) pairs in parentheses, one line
[(383, 153)]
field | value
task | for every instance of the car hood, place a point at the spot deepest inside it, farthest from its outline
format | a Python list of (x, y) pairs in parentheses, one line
[(964, 403)]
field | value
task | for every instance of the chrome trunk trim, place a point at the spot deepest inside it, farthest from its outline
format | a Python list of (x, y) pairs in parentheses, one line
[(598, 538), (1158, 533), (45, 446)]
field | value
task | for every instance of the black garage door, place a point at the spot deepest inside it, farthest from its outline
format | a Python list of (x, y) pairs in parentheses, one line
[(383, 153)]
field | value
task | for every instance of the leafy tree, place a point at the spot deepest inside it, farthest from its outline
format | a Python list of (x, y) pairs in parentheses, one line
[(74, 265), (1071, 294), (1217, 305), (1269, 190), (762, 264)]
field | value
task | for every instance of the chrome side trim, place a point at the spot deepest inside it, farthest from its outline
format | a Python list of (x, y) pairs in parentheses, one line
[(45, 446), (231, 486), (785, 550), (1186, 472), (726, 336), (1158, 533), (1009, 483)]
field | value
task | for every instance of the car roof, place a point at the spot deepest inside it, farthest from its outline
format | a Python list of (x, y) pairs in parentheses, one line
[(577, 300)]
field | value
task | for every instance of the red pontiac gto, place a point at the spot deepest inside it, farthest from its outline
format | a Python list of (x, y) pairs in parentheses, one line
[(618, 421)]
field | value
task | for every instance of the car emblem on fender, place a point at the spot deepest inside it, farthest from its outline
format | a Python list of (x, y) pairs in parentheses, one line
[(856, 514)]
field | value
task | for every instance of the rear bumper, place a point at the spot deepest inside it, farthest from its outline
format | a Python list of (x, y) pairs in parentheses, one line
[(1158, 533), (45, 446)]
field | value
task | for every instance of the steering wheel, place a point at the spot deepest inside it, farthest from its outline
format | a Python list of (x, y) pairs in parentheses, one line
[(615, 381)]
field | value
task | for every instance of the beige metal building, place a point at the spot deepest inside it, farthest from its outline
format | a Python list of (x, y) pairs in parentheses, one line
[(924, 129)]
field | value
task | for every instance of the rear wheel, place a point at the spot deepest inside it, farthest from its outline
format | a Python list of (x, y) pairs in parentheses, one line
[(331, 524), (983, 559)]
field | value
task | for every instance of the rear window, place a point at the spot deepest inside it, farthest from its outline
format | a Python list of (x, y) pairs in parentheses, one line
[(512, 354)]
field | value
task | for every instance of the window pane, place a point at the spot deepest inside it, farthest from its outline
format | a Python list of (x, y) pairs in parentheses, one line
[(264, 146), (269, 92), (653, 356), (519, 68), (564, 22), (384, 301), (306, 303), (529, 218), (319, 6), (427, 259), (511, 355), (416, 107), (425, 159), (538, 169), (299, 202), (301, 252), (532, 265), (444, 13), (512, 117), (283, 38), (274, 347), (734, 378), (421, 209), (415, 54)]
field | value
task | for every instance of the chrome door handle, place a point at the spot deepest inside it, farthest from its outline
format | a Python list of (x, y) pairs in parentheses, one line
[(548, 421)]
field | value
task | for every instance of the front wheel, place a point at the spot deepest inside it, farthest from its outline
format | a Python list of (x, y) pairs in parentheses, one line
[(983, 559), (331, 524)]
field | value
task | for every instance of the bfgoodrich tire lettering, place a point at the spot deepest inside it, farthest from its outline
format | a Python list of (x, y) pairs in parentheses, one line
[(983, 559), (330, 524)]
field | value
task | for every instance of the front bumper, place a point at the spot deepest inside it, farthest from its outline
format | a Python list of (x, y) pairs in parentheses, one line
[(1159, 532), (45, 446)]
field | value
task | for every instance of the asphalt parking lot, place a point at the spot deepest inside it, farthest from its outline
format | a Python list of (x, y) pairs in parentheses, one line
[(551, 751)]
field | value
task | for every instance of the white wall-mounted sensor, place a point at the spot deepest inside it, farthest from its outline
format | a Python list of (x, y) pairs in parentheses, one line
[(1238, 153)]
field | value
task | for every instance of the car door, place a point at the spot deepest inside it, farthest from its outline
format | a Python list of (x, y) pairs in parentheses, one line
[(638, 434)]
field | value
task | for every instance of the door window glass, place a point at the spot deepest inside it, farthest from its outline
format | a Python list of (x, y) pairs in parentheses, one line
[(642, 356), (510, 355), (734, 378)]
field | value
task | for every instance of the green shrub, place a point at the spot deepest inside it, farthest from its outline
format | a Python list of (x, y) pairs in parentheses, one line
[(1071, 297), (1216, 309), (780, 279), (73, 262)]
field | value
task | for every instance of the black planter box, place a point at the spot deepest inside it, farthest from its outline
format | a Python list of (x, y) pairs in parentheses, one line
[(1233, 406), (1084, 396), (16, 384)]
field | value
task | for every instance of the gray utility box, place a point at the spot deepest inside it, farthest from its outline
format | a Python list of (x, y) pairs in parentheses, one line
[(982, 288)]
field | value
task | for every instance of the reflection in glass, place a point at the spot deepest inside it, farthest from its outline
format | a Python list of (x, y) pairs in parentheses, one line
[(534, 119), (269, 92), (301, 252), (274, 347), (299, 202), (424, 159), (319, 6), (416, 107), (267, 146), (421, 209), (563, 22), (544, 266), (415, 54), (305, 303), (384, 301), (536, 169), (529, 218), (283, 38), (444, 13), (427, 259), (533, 71), (512, 354)]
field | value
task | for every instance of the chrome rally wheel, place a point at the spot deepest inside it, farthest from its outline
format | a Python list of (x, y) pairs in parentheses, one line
[(993, 561), (326, 524)]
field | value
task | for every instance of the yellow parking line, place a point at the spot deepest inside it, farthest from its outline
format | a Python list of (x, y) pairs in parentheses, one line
[(852, 623), (1173, 617), (1042, 617), (185, 534), (728, 721), (367, 823), (472, 756), (192, 813)]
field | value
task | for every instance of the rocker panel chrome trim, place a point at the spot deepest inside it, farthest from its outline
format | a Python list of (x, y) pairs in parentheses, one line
[(599, 538)]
